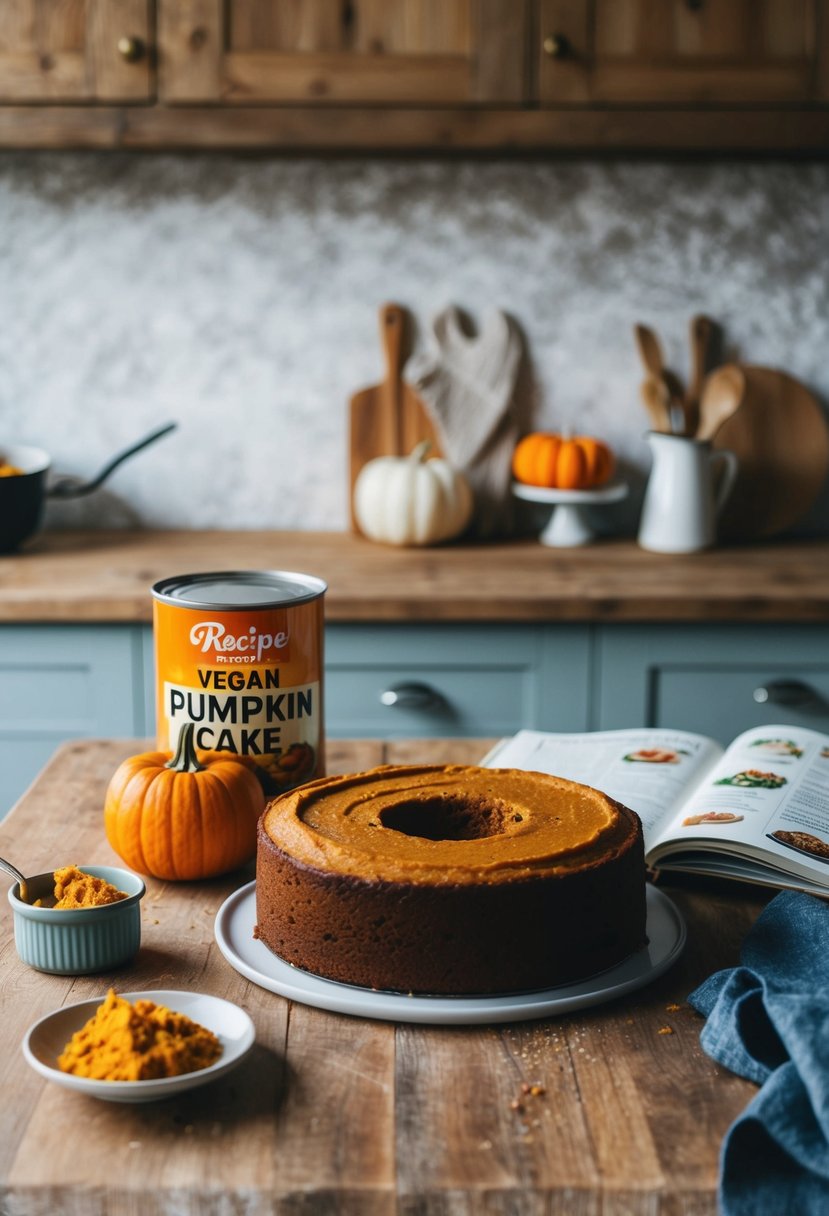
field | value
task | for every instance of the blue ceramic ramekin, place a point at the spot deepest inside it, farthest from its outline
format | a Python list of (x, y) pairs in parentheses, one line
[(78, 941)]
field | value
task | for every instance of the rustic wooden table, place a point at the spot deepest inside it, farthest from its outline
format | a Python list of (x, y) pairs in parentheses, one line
[(339, 1114)]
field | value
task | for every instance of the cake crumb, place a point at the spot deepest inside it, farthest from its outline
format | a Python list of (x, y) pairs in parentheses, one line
[(672, 1008), (537, 1090), (666, 1030)]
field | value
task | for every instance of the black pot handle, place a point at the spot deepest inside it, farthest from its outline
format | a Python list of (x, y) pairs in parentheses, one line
[(72, 487)]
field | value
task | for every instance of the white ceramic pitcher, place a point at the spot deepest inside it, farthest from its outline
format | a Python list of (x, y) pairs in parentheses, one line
[(679, 514)]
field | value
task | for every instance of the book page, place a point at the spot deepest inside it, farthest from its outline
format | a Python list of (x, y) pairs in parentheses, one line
[(770, 792), (651, 771)]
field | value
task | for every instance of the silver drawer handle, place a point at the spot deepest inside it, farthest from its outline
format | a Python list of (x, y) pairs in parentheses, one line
[(785, 692), (411, 696)]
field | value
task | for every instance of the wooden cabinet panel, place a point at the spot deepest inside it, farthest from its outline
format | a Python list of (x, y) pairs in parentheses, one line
[(423, 52), (68, 50), (680, 51)]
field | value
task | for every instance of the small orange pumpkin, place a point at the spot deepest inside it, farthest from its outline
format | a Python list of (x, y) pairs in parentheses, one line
[(186, 816), (562, 463)]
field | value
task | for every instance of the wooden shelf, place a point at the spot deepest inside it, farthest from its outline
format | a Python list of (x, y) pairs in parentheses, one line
[(439, 130)]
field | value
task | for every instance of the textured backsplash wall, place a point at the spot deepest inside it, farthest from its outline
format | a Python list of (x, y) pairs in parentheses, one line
[(239, 297)]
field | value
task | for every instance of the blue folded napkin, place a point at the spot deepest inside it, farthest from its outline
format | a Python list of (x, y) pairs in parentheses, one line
[(768, 1020)]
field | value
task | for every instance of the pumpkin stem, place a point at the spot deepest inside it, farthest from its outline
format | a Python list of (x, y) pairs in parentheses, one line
[(185, 759), (418, 454)]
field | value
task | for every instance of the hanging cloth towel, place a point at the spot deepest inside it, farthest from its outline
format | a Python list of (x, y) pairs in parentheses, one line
[(468, 383)]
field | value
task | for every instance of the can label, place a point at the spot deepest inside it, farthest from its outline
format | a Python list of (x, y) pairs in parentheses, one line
[(250, 679)]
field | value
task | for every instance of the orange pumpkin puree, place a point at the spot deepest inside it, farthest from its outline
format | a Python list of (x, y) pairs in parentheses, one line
[(140, 1042), (75, 889)]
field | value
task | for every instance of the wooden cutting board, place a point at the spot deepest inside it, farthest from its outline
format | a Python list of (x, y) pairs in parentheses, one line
[(781, 439), (388, 419)]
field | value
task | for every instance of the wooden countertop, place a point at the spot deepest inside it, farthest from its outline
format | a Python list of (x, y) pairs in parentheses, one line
[(106, 576), (332, 1113)]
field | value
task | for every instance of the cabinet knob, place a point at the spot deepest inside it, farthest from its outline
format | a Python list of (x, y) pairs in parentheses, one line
[(790, 693), (411, 696), (130, 49), (557, 46)]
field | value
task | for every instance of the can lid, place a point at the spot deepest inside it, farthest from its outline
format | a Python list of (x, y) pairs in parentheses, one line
[(240, 589)]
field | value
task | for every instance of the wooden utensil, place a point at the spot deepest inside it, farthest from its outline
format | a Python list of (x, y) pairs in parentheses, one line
[(781, 439), (388, 419), (650, 352), (657, 402), (702, 329), (722, 393)]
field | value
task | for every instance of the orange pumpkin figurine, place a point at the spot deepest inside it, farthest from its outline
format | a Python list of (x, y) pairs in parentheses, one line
[(186, 816), (562, 462)]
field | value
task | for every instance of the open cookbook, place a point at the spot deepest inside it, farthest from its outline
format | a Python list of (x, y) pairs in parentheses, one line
[(758, 810)]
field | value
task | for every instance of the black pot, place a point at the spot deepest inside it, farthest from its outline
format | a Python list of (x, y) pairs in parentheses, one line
[(23, 495)]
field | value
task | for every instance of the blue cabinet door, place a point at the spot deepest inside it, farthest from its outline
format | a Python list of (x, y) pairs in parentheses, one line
[(59, 683), (414, 681), (715, 679)]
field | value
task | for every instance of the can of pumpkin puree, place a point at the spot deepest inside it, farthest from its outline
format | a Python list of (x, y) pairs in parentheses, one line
[(240, 655)]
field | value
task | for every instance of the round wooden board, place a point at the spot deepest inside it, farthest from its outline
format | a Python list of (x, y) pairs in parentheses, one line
[(781, 439)]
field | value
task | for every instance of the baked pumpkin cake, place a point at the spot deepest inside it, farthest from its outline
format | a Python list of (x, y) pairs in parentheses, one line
[(450, 879)]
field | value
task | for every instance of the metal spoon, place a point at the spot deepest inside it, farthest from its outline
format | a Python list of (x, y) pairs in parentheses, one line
[(15, 873), (722, 394), (74, 487)]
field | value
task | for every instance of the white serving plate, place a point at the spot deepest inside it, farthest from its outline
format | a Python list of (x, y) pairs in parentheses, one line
[(46, 1039), (234, 934)]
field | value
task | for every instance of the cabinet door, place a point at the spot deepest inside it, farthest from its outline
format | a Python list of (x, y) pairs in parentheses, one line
[(59, 683), (75, 50), (335, 51), (717, 680), (697, 51), (396, 681)]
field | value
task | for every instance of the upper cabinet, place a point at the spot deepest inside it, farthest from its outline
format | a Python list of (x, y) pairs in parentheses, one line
[(75, 51), (697, 52), (417, 75), (331, 52)]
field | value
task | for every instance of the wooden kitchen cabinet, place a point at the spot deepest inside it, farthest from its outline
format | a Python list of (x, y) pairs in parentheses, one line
[(492, 76), (76, 51), (330, 52), (697, 52)]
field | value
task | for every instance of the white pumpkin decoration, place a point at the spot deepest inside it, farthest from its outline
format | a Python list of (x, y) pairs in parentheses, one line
[(408, 500)]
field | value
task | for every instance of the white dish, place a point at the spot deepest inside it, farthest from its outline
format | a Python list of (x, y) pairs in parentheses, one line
[(46, 1039), (234, 934), (614, 491), (570, 523)]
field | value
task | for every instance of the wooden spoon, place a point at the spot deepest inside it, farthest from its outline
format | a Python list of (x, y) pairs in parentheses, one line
[(722, 393), (657, 401), (702, 329), (650, 352)]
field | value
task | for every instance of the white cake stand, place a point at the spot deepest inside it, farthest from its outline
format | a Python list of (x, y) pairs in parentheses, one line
[(569, 524)]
